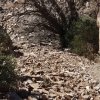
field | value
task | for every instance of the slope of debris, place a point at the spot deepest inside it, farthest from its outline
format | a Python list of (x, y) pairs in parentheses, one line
[(50, 74)]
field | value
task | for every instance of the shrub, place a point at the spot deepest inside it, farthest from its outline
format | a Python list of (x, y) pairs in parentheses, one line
[(5, 41), (8, 75), (85, 37)]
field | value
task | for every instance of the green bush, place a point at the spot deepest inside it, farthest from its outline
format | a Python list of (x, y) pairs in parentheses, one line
[(8, 75), (5, 41), (85, 37)]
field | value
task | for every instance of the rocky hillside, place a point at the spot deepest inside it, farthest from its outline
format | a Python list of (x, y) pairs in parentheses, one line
[(55, 75), (46, 73)]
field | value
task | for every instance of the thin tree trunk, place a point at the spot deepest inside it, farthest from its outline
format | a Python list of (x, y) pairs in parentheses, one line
[(63, 41), (99, 41), (98, 22)]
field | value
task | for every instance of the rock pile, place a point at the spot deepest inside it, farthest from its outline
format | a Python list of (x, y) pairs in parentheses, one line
[(56, 75), (47, 73)]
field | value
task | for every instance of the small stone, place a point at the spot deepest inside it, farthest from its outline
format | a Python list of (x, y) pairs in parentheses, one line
[(23, 70), (35, 86), (86, 97), (40, 72), (52, 95), (97, 87), (88, 88), (28, 82)]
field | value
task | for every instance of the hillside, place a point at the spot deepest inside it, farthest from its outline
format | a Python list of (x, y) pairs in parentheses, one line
[(46, 72)]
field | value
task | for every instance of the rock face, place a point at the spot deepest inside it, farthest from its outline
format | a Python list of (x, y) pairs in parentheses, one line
[(46, 72)]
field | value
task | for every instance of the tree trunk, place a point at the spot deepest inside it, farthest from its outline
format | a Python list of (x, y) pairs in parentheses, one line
[(99, 41), (63, 41)]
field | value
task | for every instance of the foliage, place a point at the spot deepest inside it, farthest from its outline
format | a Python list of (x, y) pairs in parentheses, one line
[(85, 37), (5, 41), (54, 16), (8, 75)]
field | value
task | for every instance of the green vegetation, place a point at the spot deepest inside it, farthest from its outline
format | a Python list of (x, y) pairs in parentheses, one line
[(8, 75), (5, 41), (80, 34), (85, 37)]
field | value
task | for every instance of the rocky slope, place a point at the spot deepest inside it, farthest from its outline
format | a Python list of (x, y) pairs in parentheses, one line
[(46, 72), (56, 75)]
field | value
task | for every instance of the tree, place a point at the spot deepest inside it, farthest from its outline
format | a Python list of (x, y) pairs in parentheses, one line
[(55, 16)]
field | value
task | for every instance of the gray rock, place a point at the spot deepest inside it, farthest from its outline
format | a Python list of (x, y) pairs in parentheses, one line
[(86, 97), (97, 87)]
